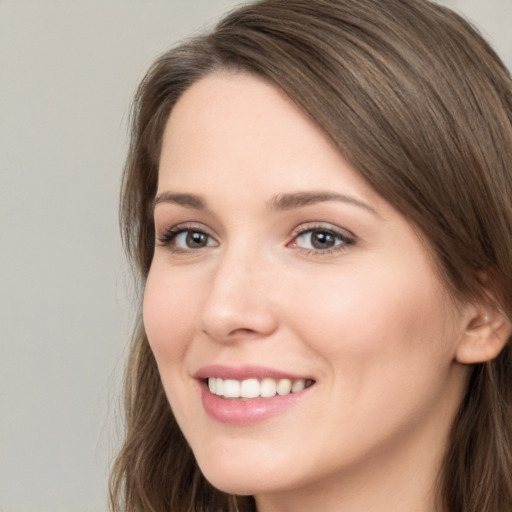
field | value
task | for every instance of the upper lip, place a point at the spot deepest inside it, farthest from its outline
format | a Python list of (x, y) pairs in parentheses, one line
[(245, 372)]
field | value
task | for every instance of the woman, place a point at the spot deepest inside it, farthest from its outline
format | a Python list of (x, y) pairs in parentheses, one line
[(318, 202)]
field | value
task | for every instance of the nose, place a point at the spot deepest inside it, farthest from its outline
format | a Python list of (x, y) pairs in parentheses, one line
[(238, 301)]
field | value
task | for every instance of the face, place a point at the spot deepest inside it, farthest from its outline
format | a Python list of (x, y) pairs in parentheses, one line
[(301, 332)]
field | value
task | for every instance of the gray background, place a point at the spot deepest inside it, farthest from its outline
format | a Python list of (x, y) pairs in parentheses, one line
[(67, 72)]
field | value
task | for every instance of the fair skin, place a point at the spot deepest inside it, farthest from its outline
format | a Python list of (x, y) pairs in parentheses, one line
[(275, 259)]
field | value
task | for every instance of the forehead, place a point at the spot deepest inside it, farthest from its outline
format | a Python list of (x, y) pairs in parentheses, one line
[(226, 111), (237, 127)]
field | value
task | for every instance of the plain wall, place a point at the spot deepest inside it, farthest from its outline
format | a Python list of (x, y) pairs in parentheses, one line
[(68, 70)]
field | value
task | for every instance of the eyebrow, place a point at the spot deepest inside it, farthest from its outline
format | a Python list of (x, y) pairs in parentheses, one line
[(186, 200), (280, 202), (301, 199)]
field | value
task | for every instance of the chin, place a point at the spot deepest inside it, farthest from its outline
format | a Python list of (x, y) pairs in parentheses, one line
[(242, 479), (234, 482), (229, 486)]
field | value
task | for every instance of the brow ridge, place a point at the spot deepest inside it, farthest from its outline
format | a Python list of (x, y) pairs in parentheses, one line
[(280, 202), (300, 199), (186, 200)]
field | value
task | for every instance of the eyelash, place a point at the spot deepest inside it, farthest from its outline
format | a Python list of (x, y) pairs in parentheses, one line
[(169, 236), (343, 238)]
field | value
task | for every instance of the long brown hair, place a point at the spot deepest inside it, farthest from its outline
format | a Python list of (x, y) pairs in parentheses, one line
[(421, 107)]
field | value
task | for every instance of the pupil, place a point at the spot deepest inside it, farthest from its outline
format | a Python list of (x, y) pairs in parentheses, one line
[(196, 239), (322, 240)]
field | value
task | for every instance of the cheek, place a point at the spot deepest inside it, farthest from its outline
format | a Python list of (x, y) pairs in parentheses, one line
[(386, 347), (389, 319), (168, 315)]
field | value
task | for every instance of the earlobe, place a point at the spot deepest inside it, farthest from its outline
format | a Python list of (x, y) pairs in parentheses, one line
[(486, 333)]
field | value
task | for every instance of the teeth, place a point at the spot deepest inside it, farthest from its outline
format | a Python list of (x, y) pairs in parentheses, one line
[(268, 388), (219, 386), (298, 385), (253, 388), (231, 388), (250, 388), (284, 387)]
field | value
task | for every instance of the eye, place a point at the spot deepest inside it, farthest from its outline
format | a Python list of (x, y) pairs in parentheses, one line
[(192, 240), (183, 239), (321, 239)]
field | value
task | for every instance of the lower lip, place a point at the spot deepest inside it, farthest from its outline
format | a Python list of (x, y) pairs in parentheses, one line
[(241, 412)]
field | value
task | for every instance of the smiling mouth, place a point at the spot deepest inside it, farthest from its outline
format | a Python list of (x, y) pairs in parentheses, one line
[(255, 388)]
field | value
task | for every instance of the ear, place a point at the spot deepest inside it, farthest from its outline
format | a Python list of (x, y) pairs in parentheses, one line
[(486, 333)]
